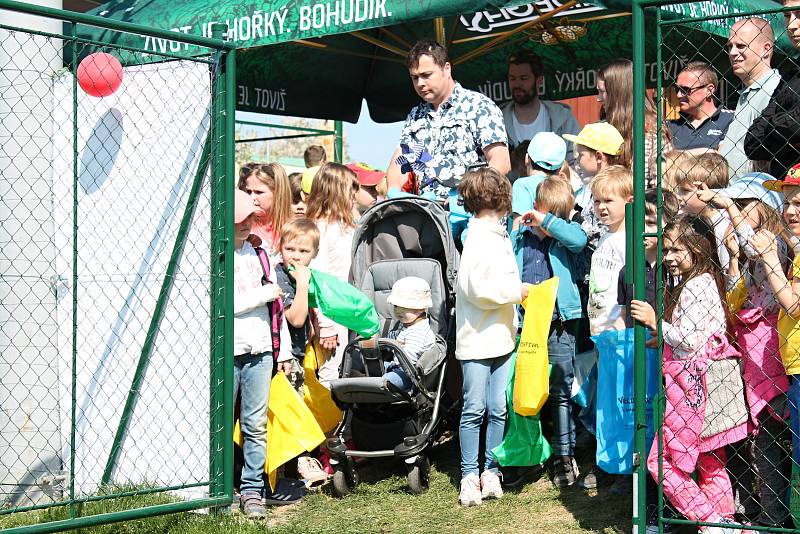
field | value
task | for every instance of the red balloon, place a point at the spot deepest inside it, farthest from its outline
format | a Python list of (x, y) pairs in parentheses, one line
[(100, 74)]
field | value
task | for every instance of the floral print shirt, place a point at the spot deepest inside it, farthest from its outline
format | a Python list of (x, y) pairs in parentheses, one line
[(454, 135)]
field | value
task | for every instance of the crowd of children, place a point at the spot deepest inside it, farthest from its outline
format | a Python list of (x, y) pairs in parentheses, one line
[(730, 310)]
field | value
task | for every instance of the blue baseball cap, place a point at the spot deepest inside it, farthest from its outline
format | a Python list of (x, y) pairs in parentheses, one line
[(751, 185), (547, 150)]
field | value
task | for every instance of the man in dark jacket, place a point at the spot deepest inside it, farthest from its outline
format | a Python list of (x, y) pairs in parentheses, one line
[(775, 135)]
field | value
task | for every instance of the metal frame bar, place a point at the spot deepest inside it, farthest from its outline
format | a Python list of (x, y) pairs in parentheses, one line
[(127, 27), (486, 47), (377, 42)]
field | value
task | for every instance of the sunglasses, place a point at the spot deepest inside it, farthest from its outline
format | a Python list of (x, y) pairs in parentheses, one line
[(682, 90)]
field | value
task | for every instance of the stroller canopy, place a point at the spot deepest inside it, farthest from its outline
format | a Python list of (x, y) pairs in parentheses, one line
[(404, 228)]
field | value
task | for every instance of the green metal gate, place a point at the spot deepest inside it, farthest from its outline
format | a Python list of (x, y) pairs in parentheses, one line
[(762, 492), (115, 260)]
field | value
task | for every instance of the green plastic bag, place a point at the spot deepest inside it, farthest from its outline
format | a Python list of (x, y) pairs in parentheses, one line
[(343, 304), (523, 443)]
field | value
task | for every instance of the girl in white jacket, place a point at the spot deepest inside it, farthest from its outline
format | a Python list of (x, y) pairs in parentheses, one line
[(330, 206), (487, 289)]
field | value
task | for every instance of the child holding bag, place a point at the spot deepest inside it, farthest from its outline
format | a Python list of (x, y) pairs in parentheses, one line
[(330, 206), (487, 289), (705, 407)]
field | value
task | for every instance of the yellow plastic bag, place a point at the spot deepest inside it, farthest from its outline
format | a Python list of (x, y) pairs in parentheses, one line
[(291, 427), (531, 384), (316, 396)]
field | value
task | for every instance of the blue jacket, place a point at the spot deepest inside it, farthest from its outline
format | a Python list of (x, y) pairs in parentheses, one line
[(568, 241)]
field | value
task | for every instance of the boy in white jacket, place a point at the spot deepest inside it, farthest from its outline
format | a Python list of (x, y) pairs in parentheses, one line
[(487, 289)]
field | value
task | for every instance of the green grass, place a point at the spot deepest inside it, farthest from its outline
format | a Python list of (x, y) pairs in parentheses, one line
[(382, 504)]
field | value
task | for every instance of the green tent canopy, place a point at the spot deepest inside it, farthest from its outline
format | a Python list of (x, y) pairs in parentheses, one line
[(321, 59)]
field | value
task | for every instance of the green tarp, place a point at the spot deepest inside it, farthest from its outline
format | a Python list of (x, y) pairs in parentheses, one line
[(301, 58)]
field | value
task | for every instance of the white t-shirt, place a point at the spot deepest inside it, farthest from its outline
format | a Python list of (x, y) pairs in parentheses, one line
[(527, 131), (607, 260)]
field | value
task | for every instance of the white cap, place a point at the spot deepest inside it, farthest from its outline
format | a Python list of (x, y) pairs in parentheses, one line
[(411, 292)]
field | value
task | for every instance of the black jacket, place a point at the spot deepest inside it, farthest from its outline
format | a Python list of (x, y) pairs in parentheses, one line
[(775, 135)]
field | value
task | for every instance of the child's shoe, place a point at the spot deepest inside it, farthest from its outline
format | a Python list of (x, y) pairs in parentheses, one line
[(564, 471), (490, 485), (622, 485), (310, 469), (470, 491), (252, 507)]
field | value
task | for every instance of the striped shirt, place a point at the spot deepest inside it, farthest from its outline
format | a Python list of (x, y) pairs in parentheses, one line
[(415, 339)]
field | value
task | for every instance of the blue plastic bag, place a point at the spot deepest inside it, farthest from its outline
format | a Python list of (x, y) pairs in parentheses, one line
[(615, 408)]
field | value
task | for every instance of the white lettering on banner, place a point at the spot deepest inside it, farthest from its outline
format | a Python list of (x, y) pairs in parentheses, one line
[(706, 9), (267, 99), (581, 80), (332, 14), (486, 21)]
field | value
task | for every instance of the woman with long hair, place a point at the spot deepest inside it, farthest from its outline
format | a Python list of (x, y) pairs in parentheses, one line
[(615, 93)]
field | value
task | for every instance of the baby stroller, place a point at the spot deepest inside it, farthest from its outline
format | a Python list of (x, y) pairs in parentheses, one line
[(396, 238)]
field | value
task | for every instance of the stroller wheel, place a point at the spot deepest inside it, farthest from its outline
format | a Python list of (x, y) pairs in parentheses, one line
[(345, 478), (419, 475)]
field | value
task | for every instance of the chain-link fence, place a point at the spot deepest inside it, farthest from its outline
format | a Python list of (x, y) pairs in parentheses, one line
[(720, 242), (115, 165)]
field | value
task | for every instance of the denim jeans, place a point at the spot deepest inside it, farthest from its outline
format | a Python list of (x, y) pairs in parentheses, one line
[(561, 350), (485, 383), (396, 375), (252, 374)]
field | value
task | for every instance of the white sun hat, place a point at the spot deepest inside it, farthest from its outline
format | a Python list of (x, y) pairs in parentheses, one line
[(411, 292)]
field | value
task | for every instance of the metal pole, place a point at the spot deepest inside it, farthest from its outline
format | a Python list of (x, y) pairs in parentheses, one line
[(100, 22), (338, 142), (227, 226), (639, 289), (217, 395)]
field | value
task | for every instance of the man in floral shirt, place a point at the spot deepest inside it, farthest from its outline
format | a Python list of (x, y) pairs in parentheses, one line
[(457, 127)]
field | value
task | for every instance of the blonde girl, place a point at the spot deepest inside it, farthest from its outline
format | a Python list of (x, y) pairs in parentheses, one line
[(269, 187), (330, 206)]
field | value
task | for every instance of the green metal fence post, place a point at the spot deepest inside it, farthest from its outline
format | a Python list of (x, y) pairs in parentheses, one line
[(338, 142), (230, 173), (639, 289), (218, 273), (74, 333)]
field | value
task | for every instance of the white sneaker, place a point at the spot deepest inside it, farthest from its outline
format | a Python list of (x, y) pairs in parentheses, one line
[(311, 471), (490, 485), (470, 491)]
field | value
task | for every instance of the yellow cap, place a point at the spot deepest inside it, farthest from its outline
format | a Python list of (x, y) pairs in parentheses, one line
[(308, 179), (601, 136)]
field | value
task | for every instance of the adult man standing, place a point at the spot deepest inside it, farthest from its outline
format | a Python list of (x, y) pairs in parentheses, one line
[(701, 124), (458, 128), (526, 114), (750, 44), (775, 135)]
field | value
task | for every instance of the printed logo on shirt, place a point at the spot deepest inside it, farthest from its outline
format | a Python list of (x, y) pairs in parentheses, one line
[(714, 132)]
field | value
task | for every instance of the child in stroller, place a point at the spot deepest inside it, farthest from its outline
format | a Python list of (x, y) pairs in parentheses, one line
[(411, 298)]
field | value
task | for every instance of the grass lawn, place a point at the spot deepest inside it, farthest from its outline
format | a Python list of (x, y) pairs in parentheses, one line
[(382, 504)]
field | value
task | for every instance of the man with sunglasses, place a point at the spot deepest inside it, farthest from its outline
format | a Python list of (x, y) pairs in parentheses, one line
[(702, 123), (750, 45), (775, 135)]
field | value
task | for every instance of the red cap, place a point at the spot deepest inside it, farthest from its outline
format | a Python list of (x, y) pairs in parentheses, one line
[(792, 179), (366, 174)]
